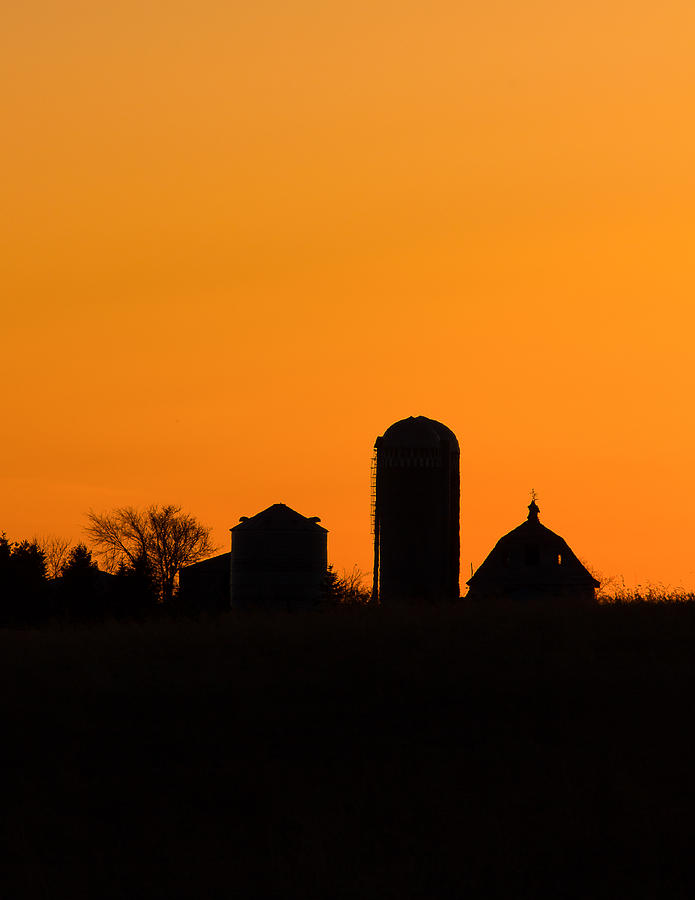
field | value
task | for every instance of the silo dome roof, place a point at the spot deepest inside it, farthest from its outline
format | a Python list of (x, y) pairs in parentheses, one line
[(418, 431)]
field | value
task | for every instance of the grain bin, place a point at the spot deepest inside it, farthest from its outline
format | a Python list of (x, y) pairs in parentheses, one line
[(279, 560)]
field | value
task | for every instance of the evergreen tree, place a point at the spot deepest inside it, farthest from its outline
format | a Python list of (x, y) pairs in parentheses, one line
[(22, 582), (81, 593)]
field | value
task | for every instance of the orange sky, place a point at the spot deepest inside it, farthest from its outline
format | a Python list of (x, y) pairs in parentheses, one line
[(240, 239)]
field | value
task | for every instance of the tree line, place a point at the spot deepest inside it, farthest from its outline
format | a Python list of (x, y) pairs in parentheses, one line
[(140, 553)]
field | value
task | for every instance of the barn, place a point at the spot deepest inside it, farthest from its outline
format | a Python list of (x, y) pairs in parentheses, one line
[(532, 562), (206, 584)]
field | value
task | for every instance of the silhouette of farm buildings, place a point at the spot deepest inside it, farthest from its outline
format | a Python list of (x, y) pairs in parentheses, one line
[(416, 512), (532, 562), (278, 560)]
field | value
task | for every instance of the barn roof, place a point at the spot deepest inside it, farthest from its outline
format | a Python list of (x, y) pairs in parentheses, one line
[(531, 556), (220, 561), (279, 517)]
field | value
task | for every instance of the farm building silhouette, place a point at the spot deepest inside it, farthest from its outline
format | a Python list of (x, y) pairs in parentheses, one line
[(206, 583), (279, 560), (532, 562), (416, 496)]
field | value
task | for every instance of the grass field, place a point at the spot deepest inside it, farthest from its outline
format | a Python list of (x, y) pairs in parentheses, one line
[(442, 752)]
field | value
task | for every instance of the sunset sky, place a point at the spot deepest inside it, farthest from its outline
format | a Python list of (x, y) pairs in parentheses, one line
[(239, 240)]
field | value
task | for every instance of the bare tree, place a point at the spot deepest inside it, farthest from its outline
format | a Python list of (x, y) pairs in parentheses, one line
[(166, 536), (348, 588), (55, 552)]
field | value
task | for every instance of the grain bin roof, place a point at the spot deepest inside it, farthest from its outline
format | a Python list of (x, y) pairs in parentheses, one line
[(279, 517), (418, 431)]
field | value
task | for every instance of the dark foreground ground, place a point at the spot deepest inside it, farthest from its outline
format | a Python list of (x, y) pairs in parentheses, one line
[(356, 753)]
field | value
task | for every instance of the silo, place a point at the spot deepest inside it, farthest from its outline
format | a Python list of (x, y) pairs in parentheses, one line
[(279, 560), (416, 512)]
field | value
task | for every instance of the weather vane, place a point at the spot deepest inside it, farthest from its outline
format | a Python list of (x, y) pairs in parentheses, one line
[(534, 495)]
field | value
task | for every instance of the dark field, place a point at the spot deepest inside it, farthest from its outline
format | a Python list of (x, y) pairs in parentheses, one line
[(355, 753)]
